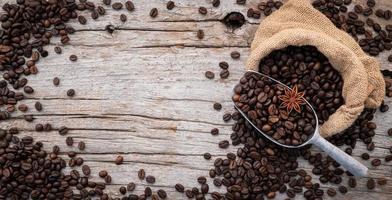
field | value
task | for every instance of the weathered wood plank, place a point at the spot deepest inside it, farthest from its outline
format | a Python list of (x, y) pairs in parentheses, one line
[(141, 93)]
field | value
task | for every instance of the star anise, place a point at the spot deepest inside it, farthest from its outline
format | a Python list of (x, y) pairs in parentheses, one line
[(292, 99)]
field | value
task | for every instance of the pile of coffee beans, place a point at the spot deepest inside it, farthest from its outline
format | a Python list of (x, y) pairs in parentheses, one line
[(258, 97)]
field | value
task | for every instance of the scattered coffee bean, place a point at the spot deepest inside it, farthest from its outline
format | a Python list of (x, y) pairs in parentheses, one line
[(216, 3), (214, 131), (86, 170), (217, 106), (71, 92), (57, 50), (117, 6), (129, 6), (209, 74), (81, 145), (123, 18), (141, 174), (131, 186), (179, 188), (103, 173), (200, 34), (382, 181), (119, 160), (154, 12), (150, 179), (224, 144), (170, 5), (207, 156), (73, 58), (203, 10), (224, 65), (376, 162), (69, 141), (235, 55), (371, 184), (122, 190), (56, 81)]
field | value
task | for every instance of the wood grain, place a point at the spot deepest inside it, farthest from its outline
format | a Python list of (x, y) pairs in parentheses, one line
[(141, 93)]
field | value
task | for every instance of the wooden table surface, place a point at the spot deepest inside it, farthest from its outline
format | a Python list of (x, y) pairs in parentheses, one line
[(141, 93)]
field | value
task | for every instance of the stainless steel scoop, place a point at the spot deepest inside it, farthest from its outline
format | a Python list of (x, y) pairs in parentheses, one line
[(349, 163)]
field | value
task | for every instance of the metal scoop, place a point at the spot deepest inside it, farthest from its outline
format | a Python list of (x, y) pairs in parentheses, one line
[(349, 163)]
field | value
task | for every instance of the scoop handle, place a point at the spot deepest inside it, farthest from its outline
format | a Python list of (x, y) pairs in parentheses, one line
[(349, 163)]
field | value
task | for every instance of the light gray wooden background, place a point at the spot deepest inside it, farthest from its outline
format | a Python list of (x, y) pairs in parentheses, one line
[(141, 93)]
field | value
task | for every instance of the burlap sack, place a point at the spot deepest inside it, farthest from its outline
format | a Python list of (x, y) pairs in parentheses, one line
[(297, 23)]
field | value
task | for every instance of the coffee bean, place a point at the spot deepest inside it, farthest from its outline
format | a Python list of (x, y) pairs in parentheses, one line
[(108, 179), (28, 89), (23, 107), (376, 162), (101, 10), (214, 131), (382, 181), (154, 12), (131, 186), (241, 2), (81, 146), (207, 156), (162, 194), (69, 141), (103, 173), (388, 158), (331, 192), (86, 170), (217, 106), (189, 194), (365, 156), (202, 180), (150, 179), (200, 34), (56, 81), (384, 108), (209, 75), (203, 10), (224, 144), (343, 189), (110, 28), (117, 6), (371, 184), (28, 118), (122, 190), (226, 117), (82, 20), (73, 58), (224, 74), (119, 160), (129, 6), (235, 55), (204, 188), (123, 18), (71, 92), (179, 188), (170, 5), (352, 182), (223, 65), (57, 50), (107, 2), (141, 174)]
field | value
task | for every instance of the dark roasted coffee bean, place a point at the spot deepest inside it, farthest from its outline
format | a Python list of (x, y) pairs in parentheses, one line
[(384, 108), (235, 55), (69, 141), (352, 182), (224, 74), (223, 65), (131, 186), (388, 158), (28, 118), (224, 144), (103, 173), (28, 89), (204, 188), (365, 156), (119, 160), (81, 145), (129, 6), (110, 28), (73, 58), (376, 162), (371, 184), (217, 106), (200, 34), (117, 6), (207, 156), (162, 194), (23, 107), (107, 2), (214, 131), (38, 106), (209, 75), (203, 10), (63, 130), (56, 81), (86, 170), (241, 2), (108, 179), (331, 192), (101, 10), (82, 19), (123, 18), (154, 12), (150, 179), (227, 117), (170, 5), (57, 50), (122, 190), (71, 92), (342, 189), (141, 174), (382, 181), (179, 187)]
